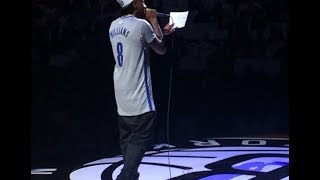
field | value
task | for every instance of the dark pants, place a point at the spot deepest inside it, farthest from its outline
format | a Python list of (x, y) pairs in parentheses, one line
[(135, 137)]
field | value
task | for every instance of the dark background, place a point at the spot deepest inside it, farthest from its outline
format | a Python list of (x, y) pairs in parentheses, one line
[(229, 74)]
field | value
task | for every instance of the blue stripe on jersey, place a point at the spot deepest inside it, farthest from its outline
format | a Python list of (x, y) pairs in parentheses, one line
[(146, 80)]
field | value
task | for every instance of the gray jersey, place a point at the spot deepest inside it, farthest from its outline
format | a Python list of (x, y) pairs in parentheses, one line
[(129, 38)]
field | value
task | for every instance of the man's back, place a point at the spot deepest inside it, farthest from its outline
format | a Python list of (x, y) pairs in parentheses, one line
[(129, 37)]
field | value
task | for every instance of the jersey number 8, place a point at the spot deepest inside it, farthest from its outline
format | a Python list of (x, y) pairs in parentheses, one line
[(120, 55)]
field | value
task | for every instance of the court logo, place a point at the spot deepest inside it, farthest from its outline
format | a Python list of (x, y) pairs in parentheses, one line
[(210, 159)]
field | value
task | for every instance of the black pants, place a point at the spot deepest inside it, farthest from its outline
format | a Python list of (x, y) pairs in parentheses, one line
[(136, 134)]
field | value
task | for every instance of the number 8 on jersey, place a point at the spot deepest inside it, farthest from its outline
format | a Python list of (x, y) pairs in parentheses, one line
[(119, 51)]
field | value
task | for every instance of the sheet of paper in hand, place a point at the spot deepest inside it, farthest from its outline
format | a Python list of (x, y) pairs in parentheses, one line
[(179, 18)]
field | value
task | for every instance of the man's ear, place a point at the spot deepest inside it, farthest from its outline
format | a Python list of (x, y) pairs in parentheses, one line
[(135, 4)]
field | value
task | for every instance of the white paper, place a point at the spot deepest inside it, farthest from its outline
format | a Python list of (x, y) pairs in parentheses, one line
[(178, 18)]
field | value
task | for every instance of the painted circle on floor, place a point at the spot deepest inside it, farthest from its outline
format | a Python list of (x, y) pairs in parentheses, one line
[(206, 159)]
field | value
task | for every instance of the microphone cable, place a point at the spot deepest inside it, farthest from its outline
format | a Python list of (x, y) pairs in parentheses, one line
[(168, 110)]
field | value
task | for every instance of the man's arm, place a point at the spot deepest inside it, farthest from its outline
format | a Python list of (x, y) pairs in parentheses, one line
[(158, 44)]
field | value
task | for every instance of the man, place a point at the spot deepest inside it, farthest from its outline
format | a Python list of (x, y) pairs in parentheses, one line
[(131, 35)]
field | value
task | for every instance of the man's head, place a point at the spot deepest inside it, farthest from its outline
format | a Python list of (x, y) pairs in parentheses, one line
[(135, 7)]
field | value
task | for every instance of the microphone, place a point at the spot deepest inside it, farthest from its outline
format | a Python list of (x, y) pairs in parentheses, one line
[(162, 15)]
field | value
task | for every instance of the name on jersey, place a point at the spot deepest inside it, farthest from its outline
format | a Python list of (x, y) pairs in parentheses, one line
[(119, 31)]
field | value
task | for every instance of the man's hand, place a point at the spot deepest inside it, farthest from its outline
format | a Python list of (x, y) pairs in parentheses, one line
[(151, 15), (168, 29)]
